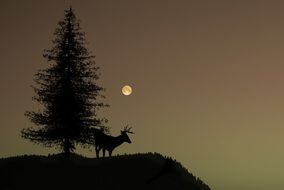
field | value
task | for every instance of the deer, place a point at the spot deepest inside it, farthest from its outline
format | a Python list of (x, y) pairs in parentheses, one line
[(107, 142)]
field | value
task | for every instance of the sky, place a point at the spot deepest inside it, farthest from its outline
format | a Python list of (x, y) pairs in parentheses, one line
[(207, 80)]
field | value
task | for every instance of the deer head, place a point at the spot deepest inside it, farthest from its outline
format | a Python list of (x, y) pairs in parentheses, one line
[(124, 133)]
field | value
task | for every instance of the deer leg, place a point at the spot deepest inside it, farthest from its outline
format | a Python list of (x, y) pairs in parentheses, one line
[(104, 151), (97, 151)]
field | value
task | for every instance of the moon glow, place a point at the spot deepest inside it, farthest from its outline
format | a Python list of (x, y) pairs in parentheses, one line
[(126, 90)]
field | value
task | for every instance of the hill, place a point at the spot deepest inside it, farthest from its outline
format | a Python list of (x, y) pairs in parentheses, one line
[(138, 171)]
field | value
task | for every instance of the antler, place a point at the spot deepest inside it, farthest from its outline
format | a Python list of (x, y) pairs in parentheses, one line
[(127, 129)]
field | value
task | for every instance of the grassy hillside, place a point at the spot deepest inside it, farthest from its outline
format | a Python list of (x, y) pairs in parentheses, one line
[(139, 171)]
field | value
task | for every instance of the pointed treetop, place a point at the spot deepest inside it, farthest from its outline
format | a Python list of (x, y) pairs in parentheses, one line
[(70, 11)]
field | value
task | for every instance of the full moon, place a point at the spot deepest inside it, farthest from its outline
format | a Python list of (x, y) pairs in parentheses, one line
[(126, 90)]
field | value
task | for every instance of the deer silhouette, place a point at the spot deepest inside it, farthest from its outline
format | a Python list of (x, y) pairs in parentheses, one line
[(107, 142)]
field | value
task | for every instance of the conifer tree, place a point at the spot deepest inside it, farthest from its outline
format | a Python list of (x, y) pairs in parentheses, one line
[(67, 90)]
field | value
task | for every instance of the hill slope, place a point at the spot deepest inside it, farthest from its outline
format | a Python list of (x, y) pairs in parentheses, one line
[(139, 171)]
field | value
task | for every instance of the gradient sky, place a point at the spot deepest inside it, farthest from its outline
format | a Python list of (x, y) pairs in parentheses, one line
[(207, 79)]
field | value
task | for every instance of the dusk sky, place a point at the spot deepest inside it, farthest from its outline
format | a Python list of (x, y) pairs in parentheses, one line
[(207, 78)]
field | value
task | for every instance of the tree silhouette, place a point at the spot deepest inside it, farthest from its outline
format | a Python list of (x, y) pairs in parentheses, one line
[(67, 90)]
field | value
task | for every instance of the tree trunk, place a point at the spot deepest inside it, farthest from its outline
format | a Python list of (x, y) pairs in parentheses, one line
[(67, 147)]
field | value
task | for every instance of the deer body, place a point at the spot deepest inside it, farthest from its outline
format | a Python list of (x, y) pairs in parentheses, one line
[(107, 142)]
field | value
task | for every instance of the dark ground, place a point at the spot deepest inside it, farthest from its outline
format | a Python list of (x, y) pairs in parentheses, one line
[(139, 171)]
